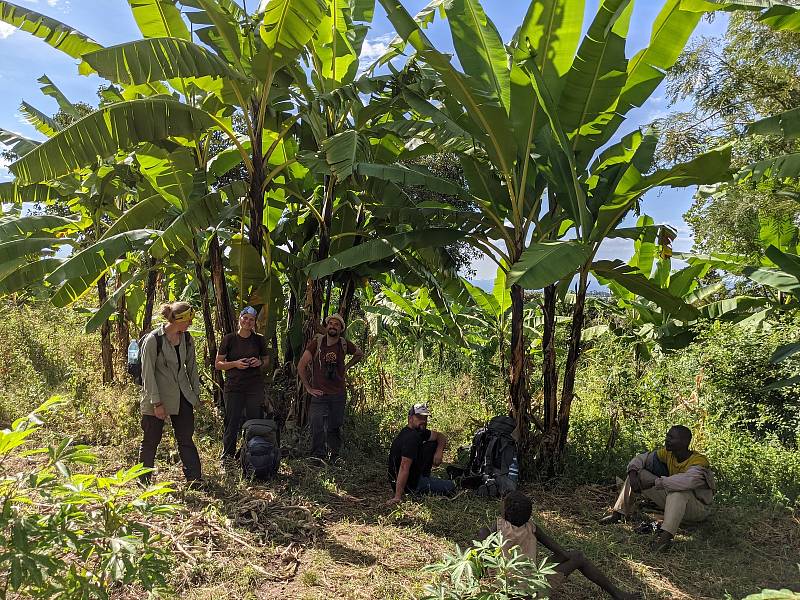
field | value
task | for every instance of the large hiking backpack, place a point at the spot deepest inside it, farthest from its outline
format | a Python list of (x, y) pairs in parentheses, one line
[(493, 468), (135, 366), (260, 455)]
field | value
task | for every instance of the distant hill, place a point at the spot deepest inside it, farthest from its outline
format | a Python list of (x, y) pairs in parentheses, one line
[(595, 289)]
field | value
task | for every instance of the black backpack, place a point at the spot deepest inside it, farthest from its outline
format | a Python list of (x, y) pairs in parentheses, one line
[(493, 456), (260, 455), (135, 367)]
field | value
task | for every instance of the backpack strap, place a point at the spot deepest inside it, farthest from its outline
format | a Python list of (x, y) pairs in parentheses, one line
[(506, 454), (488, 457), (319, 339)]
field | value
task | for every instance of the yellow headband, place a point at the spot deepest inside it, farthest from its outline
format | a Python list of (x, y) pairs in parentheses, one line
[(185, 317)]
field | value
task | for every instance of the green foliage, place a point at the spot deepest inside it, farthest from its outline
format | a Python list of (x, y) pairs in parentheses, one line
[(50, 354), (737, 363), (714, 388), (484, 572), (66, 534)]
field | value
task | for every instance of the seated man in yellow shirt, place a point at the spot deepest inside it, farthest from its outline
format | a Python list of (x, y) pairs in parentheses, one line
[(675, 478)]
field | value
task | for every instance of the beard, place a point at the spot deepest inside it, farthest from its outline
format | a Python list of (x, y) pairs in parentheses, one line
[(333, 332)]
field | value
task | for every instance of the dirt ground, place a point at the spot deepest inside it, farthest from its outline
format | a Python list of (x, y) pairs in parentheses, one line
[(325, 532)]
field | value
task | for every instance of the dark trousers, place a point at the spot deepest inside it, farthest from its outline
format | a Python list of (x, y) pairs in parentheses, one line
[(240, 406), (426, 483), (183, 426), (326, 414)]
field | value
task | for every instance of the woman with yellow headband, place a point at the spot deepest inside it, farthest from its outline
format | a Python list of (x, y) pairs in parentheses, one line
[(171, 386)]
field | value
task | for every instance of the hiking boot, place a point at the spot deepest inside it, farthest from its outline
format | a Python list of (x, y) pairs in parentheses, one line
[(611, 519)]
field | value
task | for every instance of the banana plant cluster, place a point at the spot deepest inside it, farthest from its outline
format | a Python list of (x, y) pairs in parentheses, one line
[(645, 324), (534, 122), (251, 145), (250, 151)]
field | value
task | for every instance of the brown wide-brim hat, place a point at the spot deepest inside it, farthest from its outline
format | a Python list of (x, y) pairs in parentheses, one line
[(337, 317)]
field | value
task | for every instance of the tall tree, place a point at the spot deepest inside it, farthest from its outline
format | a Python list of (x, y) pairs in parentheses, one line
[(527, 120), (750, 71)]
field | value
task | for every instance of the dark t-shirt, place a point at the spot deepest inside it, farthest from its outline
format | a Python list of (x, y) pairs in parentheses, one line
[(235, 347), (327, 367), (408, 444)]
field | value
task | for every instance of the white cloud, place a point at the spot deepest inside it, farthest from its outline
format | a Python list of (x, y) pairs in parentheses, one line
[(6, 30), (373, 49), (52, 2)]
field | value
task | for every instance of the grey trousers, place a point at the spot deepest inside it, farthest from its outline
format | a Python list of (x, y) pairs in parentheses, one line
[(326, 415)]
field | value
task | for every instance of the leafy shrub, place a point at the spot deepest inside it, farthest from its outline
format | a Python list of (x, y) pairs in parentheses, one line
[(483, 572), (71, 535), (738, 370), (621, 411)]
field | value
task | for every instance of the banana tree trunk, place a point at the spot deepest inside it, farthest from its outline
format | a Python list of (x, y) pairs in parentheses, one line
[(211, 340), (225, 313), (256, 193), (571, 367), (106, 349), (123, 335), (289, 354), (150, 297), (349, 288), (520, 398), (346, 299), (328, 288), (549, 365)]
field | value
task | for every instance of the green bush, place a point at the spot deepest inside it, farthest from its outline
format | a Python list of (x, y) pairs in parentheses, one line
[(737, 369), (483, 572), (69, 535), (620, 412)]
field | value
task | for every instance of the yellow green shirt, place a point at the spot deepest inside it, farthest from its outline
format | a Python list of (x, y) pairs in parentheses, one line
[(674, 467)]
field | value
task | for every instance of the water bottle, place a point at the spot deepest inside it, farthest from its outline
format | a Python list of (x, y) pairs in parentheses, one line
[(513, 470), (133, 352)]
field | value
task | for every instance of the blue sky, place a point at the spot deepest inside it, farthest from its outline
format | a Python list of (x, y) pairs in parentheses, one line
[(24, 58)]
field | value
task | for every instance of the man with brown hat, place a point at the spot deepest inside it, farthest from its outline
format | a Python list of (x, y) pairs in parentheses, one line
[(325, 355)]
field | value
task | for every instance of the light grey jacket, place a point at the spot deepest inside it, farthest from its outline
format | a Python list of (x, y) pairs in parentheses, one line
[(163, 379), (697, 479)]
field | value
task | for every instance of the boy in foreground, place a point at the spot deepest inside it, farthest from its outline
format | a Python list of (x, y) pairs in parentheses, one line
[(518, 529)]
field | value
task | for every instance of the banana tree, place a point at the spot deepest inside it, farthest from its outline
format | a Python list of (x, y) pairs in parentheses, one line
[(532, 115)]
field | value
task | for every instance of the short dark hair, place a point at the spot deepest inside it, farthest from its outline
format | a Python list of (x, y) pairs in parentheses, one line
[(684, 432), (517, 508)]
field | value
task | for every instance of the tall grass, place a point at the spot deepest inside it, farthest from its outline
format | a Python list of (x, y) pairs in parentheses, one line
[(618, 412)]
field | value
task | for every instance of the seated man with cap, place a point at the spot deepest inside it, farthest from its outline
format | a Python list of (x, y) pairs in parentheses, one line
[(415, 450)]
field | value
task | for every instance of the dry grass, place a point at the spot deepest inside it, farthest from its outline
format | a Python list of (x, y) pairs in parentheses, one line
[(321, 533)]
